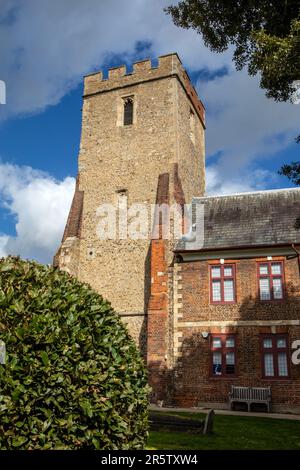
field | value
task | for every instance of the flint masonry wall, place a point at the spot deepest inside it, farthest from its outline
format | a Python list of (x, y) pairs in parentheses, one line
[(168, 128)]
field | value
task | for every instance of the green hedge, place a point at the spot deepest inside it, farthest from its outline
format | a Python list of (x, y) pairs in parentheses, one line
[(73, 377)]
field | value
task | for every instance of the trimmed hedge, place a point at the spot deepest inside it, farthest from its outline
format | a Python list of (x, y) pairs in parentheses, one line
[(73, 377)]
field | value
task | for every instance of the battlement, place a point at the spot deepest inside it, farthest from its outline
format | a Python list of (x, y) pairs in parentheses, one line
[(118, 77)]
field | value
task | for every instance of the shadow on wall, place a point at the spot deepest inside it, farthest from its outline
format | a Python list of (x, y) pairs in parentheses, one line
[(190, 381)]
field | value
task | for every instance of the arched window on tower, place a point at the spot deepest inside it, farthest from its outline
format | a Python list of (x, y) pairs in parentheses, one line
[(128, 111)]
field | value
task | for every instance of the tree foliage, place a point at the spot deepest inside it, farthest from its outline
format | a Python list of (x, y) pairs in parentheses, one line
[(265, 35), (73, 378)]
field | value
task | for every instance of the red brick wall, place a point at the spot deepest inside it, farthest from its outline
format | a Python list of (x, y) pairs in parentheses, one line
[(159, 335), (157, 323), (196, 293), (157, 331), (196, 385), (74, 221)]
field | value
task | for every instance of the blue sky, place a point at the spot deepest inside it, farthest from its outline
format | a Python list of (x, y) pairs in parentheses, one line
[(50, 46)]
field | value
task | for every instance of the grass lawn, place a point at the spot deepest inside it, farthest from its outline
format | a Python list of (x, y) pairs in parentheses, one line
[(231, 432)]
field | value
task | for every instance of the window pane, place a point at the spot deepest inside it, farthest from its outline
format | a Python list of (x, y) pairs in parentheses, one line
[(230, 363), (227, 271), (282, 365), (217, 343), (267, 343), (230, 342), (216, 291), (277, 288), (228, 291), (264, 288), (276, 268), (217, 363), (281, 343), (269, 365), (215, 272), (263, 269)]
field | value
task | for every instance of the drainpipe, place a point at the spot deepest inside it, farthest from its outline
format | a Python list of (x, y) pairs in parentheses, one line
[(298, 254)]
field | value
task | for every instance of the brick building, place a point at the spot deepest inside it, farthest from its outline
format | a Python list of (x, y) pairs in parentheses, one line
[(204, 315)]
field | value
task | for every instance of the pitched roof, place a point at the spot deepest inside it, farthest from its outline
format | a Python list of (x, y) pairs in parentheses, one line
[(248, 219)]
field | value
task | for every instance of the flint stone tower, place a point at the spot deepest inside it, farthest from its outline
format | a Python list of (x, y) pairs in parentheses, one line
[(143, 139)]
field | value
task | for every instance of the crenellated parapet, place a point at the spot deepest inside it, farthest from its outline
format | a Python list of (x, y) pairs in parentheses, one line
[(118, 77)]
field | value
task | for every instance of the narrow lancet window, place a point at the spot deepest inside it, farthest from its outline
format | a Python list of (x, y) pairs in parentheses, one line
[(128, 111)]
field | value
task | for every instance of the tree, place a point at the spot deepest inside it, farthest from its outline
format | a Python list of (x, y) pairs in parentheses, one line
[(265, 34), (73, 378), (278, 61)]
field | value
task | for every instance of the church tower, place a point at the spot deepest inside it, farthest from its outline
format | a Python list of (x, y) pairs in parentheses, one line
[(142, 140)]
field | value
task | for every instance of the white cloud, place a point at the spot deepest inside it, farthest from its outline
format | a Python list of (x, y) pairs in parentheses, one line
[(50, 44), (257, 180), (40, 206)]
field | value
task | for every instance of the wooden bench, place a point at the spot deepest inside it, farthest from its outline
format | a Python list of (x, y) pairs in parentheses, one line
[(250, 395), (171, 422)]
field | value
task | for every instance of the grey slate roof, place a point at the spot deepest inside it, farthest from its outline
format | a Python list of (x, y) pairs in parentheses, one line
[(248, 219)]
